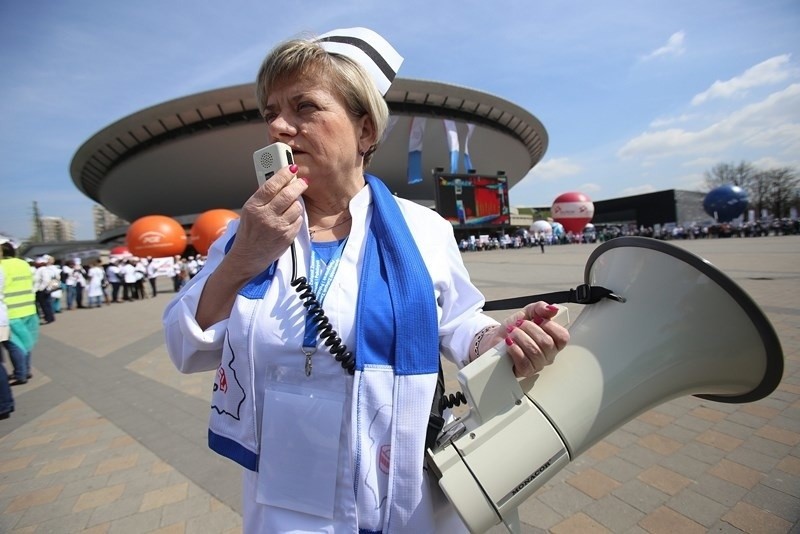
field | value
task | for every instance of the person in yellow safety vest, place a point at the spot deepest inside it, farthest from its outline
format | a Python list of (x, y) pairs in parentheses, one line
[(23, 319)]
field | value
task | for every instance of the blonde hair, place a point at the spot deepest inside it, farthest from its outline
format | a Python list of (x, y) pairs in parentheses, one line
[(305, 57)]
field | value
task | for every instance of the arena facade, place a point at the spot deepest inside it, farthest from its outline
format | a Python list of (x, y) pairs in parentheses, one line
[(192, 154)]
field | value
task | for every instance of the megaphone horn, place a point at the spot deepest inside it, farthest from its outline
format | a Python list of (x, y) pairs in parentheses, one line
[(685, 328)]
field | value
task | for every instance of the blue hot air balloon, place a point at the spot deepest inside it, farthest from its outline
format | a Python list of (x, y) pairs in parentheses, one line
[(725, 202)]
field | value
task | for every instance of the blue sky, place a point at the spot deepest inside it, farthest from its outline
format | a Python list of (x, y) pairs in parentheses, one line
[(636, 96)]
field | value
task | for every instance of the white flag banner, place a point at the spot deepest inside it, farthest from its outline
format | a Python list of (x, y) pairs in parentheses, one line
[(415, 136), (467, 159), (389, 127), (452, 143)]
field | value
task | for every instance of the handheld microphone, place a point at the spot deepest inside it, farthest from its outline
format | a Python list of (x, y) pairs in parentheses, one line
[(270, 160)]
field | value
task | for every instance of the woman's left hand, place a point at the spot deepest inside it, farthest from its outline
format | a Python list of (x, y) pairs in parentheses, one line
[(532, 338)]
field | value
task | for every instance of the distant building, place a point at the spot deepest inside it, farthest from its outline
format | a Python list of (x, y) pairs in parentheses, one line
[(672, 206), (56, 229), (105, 220), (661, 207)]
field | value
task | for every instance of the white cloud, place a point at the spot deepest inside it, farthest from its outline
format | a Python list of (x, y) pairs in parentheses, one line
[(674, 47), (773, 122), (785, 136), (768, 162), (590, 187), (658, 144), (700, 162), (661, 122), (774, 70), (637, 190), (692, 182), (554, 169)]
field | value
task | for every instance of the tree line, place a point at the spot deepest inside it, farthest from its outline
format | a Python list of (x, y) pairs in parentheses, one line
[(775, 190)]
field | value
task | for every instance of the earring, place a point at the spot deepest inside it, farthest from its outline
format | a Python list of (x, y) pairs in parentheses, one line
[(362, 153)]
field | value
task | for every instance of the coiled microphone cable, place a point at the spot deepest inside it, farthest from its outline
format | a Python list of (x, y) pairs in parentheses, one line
[(320, 321), (451, 400)]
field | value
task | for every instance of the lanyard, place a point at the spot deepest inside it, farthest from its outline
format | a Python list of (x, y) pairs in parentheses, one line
[(320, 278)]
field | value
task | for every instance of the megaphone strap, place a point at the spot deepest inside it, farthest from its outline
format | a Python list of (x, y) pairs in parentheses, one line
[(583, 294)]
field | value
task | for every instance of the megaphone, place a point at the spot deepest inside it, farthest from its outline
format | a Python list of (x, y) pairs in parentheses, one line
[(678, 327)]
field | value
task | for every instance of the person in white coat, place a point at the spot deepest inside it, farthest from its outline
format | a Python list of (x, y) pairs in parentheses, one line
[(324, 310), (94, 291), (128, 272)]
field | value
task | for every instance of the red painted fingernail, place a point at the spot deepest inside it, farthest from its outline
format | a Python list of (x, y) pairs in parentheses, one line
[(293, 168), (552, 308), (509, 341), (509, 329), (538, 321), (519, 322)]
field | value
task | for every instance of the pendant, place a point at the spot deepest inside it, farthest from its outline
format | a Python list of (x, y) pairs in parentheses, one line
[(309, 352)]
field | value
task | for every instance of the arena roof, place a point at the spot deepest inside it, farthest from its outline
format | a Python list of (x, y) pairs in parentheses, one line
[(192, 154)]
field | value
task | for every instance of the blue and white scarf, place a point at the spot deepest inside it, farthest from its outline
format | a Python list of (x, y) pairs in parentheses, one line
[(397, 363)]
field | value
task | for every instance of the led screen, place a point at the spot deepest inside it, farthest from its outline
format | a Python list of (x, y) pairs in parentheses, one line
[(472, 200)]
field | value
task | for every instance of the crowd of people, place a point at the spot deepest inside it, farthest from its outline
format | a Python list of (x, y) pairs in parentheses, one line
[(669, 231), (34, 290), (73, 284), (521, 239)]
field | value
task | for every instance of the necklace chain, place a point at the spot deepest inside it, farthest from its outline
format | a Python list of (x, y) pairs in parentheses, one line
[(312, 232)]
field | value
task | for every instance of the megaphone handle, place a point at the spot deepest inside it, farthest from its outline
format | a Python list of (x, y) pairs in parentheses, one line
[(489, 384), (452, 400)]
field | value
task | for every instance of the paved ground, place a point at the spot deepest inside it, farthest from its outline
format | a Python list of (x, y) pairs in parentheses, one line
[(107, 437)]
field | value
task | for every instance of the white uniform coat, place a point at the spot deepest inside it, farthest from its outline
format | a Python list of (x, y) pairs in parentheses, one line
[(272, 333)]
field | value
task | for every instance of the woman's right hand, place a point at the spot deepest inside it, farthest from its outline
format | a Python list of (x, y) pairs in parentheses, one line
[(270, 220)]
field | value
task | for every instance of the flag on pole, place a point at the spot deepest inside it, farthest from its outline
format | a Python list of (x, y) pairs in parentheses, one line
[(389, 127), (452, 144), (415, 150), (467, 159)]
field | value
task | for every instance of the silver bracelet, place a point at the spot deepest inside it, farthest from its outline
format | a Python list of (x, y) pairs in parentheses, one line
[(479, 338)]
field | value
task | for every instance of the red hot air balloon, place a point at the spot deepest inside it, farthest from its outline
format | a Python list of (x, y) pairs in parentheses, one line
[(158, 236), (573, 211), (208, 227)]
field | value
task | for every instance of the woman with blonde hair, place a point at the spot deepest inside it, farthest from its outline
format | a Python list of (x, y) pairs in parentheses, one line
[(333, 439)]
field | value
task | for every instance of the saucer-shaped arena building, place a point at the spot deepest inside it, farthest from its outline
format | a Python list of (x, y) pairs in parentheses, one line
[(193, 154)]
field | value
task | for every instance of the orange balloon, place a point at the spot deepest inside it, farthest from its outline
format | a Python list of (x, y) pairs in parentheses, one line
[(208, 227), (158, 236)]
